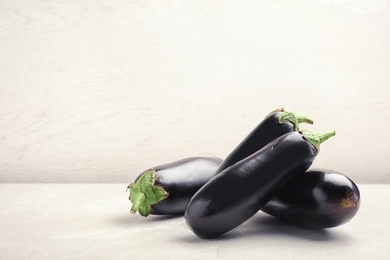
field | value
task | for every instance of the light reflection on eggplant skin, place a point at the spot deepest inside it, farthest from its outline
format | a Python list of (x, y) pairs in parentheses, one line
[(337, 179)]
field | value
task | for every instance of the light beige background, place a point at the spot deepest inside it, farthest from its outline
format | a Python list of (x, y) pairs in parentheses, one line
[(98, 91)]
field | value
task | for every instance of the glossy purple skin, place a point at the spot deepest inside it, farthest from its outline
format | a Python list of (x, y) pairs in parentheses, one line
[(267, 130), (241, 190), (318, 198), (181, 179)]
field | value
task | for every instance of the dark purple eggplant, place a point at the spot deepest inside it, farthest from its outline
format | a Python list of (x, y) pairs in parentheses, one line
[(238, 192), (319, 198), (166, 189), (275, 124)]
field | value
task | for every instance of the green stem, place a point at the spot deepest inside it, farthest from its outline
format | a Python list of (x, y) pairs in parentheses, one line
[(137, 203), (144, 193), (295, 119), (317, 139), (304, 119)]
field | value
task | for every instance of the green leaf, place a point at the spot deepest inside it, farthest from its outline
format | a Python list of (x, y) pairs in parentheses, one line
[(144, 193)]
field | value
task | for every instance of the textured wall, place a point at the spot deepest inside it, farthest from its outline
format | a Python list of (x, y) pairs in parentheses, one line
[(97, 91)]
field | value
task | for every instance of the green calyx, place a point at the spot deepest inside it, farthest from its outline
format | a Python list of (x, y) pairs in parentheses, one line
[(295, 119), (144, 193), (317, 139)]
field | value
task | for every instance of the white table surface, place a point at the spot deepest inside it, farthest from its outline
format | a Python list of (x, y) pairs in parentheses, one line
[(93, 221)]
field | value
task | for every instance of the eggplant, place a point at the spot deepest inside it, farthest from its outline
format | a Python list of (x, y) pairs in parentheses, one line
[(275, 124), (319, 198), (238, 192), (166, 189)]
